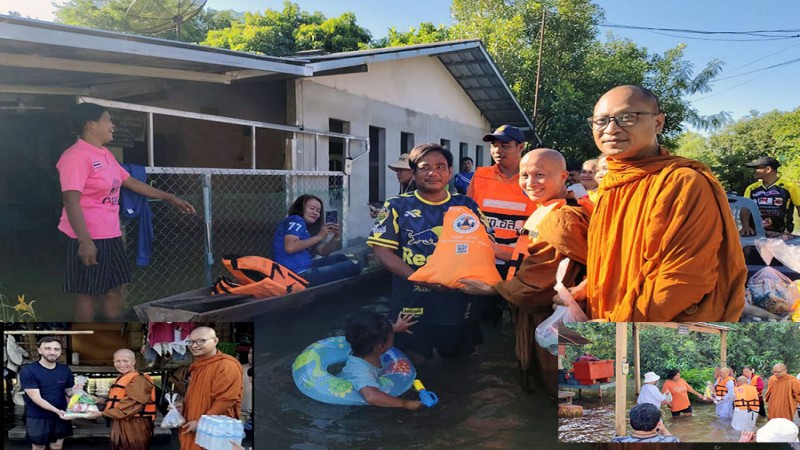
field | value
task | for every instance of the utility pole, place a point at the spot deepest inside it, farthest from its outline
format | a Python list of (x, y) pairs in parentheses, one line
[(539, 67)]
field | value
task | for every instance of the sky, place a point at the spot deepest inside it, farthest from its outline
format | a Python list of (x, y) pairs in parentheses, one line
[(762, 90)]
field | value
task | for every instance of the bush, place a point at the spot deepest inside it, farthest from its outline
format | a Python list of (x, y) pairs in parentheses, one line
[(697, 378)]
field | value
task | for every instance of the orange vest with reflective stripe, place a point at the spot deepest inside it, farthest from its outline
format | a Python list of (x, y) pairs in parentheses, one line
[(117, 393), (503, 202), (720, 389), (257, 276), (746, 398)]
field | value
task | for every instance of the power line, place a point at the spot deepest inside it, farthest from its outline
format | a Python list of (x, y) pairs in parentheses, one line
[(785, 63), (684, 30), (735, 86), (773, 38), (764, 57)]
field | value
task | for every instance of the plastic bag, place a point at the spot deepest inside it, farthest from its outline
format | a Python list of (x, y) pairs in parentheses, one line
[(547, 331), (787, 254), (744, 420), (80, 403), (769, 289), (173, 418)]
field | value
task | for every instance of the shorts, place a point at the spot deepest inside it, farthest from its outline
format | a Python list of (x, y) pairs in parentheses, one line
[(112, 269), (450, 341), (678, 413), (43, 431)]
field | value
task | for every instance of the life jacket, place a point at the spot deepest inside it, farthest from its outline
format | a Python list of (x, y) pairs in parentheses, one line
[(257, 276), (754, 380), (504, 203), (746, 398), (117, 392), (463, 250), (719, 388)]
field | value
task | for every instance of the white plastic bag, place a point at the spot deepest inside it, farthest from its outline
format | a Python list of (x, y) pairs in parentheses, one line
[(787, 254), (81, 404), (174, 418), (547, 331)]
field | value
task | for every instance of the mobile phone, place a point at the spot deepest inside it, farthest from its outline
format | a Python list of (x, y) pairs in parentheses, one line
[(331, 216), (578, 190)]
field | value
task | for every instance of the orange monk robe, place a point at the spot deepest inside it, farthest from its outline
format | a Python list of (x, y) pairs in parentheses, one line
[(215, 388), (782, 397), (562, 234), (663, 245), (129, 432)]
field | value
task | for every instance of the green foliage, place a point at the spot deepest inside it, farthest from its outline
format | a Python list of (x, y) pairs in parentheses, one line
[(727, 150), (697, 378), (110, 15), (576, 67), (228, 348), (426, 33), (286, 32)]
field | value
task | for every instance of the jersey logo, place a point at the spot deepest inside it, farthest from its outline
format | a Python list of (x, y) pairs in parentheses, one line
[(415, 213), (425, 237)]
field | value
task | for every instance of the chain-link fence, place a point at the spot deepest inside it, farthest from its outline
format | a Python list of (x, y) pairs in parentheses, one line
[(237, 213)]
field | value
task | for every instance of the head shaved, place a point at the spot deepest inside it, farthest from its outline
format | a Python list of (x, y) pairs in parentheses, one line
[(635, 92), (203, 333), (127, 352), (780, 367), (742, 380), (546, 154)]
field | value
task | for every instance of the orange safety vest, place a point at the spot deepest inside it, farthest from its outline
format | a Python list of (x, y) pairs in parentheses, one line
[(746, 398), (503, 202), (754, 380), (117, 393), (720, 389), (257, 276)]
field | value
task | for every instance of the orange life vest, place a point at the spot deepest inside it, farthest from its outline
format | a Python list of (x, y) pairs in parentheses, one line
[(503, 202), (117, 392), (720, 389), (464, 250), (746, 398), (257, 276), (754, 380)]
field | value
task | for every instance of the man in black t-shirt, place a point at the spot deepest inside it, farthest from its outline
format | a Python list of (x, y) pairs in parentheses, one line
[(774, 197)]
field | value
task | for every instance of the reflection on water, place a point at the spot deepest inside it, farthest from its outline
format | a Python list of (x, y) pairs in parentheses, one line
[(481, 405), (597, 423)]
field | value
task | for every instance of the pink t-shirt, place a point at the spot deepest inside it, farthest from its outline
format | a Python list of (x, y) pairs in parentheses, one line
[(98, 177)]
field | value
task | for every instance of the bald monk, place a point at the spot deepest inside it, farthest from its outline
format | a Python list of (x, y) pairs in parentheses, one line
[(663, 245), (783, 393), (131, 405), (215, 384), (561, 234)]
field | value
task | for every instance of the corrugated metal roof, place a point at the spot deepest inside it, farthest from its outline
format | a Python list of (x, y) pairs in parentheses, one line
[(467, 61)]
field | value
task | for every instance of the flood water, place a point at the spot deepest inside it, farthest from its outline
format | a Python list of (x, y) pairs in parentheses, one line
[(481, 403), (597, 423)]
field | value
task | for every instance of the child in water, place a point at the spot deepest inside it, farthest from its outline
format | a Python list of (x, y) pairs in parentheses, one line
[(370, 335)]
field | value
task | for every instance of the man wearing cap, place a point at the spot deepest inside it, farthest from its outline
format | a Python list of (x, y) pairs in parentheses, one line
[(774, 196), (663, 245), (496, 191), (404, 174)]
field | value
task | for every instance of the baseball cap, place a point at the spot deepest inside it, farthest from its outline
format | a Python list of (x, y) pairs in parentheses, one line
[(400, 164), (764, 161), (505, 133)]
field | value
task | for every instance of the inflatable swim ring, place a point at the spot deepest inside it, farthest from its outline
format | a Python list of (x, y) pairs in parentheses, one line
[(310, 372)]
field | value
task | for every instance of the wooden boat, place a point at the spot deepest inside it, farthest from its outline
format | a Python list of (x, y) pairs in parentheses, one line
[(200, 306)]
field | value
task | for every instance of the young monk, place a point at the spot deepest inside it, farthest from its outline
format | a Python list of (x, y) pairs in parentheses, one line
[(663, 246), (561, 234)]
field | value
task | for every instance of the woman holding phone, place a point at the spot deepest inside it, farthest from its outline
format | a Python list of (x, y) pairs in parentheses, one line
[(304, 234)]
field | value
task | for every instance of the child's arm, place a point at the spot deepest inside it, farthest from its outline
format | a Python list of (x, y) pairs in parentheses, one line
[(403, 323), (375, 397)]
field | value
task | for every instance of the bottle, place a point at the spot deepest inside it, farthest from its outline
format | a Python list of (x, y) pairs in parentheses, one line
[(76, 359)]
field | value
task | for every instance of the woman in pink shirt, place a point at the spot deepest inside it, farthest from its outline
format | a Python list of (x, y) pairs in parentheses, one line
[(91, 178)]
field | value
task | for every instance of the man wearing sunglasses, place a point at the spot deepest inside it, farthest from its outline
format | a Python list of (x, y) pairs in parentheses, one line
[(215, 384), (663, 245)]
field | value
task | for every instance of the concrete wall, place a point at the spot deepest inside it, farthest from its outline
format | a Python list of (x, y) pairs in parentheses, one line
[(414, 96)]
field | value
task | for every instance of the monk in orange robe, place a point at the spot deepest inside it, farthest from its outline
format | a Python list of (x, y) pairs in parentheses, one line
[(783, 394), (663, 245), (133, 412), (560, 234), (215, 385)]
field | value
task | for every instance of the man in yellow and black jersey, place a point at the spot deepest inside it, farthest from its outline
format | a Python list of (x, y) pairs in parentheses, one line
[(775, 198), (405, 234)]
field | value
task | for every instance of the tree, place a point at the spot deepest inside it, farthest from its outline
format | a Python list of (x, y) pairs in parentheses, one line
[(577, 68), (426, 33), (286, 32), (727, 150), (110, 15)]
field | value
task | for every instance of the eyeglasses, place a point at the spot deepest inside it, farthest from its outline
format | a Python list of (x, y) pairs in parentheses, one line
[(623, 120), (198, 342)]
